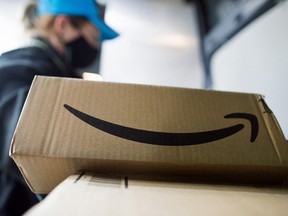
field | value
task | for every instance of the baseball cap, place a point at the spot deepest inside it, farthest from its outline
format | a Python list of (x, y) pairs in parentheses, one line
[(86, 8)]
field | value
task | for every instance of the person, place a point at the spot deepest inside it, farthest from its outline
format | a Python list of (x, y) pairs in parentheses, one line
[(66, 36)]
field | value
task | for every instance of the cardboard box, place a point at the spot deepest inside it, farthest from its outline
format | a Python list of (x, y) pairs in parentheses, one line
[(98, 195), (70, 125)]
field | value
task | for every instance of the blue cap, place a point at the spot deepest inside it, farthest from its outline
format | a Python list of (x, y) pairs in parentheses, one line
[(85, 8)]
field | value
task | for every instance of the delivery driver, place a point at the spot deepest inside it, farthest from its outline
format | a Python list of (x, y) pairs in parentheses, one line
[(67, 34)]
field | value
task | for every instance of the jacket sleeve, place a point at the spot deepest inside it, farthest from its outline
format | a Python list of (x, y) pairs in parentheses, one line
[(10, 108), (13, 189)]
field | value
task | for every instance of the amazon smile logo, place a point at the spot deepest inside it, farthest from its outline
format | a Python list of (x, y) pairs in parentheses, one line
[(168, 139)]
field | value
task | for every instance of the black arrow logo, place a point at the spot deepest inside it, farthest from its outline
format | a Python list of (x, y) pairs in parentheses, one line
[(168, 139)]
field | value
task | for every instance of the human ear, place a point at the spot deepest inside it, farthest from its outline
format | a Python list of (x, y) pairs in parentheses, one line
[(60, 24), (63, 28)]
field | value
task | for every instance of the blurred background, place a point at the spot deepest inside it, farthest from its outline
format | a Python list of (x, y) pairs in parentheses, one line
[(230, 45)]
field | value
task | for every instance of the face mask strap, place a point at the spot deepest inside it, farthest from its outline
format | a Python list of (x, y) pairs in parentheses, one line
[(68, 55)]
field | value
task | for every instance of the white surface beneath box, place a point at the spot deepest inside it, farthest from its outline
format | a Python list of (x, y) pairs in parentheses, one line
[(94, 195)]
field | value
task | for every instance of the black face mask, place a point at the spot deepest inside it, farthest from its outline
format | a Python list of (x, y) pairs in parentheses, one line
[(80, 53)]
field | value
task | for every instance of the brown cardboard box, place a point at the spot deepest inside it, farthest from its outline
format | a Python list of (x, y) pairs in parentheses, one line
[(70, 125), (98, 195)]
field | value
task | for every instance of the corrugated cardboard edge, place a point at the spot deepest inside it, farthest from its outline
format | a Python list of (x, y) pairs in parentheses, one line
[(11, 150), (221, 173), (277, 137)]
